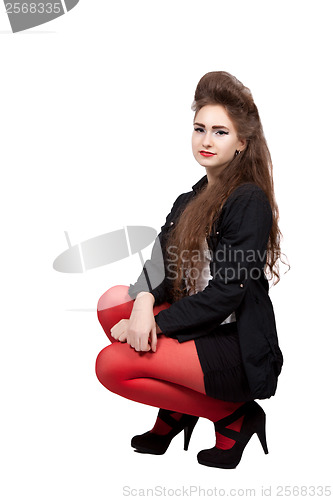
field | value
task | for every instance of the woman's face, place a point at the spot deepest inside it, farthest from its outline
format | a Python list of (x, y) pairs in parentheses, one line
[(214, 139)]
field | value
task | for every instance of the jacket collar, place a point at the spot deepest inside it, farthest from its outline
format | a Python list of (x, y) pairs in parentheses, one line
[(198, 185)]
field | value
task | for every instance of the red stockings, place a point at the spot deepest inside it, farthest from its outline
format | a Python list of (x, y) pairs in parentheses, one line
[(169, 378)]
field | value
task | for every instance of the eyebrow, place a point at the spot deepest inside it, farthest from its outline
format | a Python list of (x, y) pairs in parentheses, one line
[(213, 127)]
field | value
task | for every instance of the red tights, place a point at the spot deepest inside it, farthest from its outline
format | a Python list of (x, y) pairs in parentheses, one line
[(170, 378)]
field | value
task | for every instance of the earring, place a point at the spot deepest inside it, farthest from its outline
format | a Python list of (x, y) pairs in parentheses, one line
[(237, 152)]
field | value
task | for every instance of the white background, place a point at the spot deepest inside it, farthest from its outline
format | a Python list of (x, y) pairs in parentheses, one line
[(95, 134)]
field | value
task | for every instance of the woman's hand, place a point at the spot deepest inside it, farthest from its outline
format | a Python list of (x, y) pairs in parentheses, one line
[(141, 333), (140, 330), (119, 330)]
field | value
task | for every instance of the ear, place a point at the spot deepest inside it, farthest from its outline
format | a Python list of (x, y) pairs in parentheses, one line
[(242, 143)]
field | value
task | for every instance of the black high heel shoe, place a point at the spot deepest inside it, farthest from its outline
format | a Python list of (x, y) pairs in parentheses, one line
[(254, 422), (157, 444)]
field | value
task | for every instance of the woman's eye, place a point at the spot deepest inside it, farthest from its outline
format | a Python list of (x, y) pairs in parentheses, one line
[(198, 129), (221, 132)]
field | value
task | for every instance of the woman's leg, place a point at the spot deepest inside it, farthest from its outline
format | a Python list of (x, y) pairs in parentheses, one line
[(115, 304), (169, 378)]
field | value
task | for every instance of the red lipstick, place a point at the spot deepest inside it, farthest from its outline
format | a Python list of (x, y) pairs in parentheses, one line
[(206, 153)]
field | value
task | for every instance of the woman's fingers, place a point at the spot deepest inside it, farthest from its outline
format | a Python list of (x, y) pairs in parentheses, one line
[(143, 344), (115, 331), (122, 337), (119, 328), (139, 342), (153, 337), (136, 335), (146, 345)]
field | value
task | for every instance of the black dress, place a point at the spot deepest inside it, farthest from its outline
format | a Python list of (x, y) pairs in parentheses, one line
[(220, 359), (243, 227), (219, 353)]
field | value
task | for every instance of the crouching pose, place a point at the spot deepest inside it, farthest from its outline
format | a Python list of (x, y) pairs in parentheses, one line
[(202, 342)]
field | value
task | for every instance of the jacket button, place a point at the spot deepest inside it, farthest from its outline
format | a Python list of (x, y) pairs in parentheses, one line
[(171, 223), (217, 232), (241, 285)]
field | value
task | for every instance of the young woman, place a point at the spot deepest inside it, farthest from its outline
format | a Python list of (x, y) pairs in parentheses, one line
[(203, 342)]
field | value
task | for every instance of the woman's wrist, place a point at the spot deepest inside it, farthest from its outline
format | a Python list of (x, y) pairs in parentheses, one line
[(144, 300), (145, 294)]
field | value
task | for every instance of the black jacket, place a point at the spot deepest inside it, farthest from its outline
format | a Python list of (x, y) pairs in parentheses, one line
[(238, 245)]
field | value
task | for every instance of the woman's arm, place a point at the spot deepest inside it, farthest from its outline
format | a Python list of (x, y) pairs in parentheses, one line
[(152, 278), (140, 329), (239, 257)]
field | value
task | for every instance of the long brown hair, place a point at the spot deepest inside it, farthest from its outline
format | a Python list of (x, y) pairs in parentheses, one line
[(253, 164)]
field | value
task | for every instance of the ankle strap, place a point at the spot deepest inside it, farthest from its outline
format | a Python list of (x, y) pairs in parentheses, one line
[(165, 415), (229, 419), (236, 436)]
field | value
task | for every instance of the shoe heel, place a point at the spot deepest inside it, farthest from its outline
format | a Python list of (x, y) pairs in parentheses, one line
[(188, 433), (261, 433)]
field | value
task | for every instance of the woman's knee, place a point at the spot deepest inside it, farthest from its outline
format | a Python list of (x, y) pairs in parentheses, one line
[(114, 296), (103, 366), (114, 305), (108, 365)]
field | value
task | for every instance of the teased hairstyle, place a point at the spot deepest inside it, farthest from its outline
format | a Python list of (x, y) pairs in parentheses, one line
[(252, 165)]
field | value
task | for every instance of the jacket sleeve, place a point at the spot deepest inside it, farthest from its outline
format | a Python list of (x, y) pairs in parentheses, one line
[(240, 256), (153, 275)]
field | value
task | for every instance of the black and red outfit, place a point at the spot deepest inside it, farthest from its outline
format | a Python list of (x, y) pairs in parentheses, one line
[(239, 240), (240, 361)]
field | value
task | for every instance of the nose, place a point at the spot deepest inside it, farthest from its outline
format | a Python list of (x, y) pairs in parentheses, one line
[(207, 140)]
